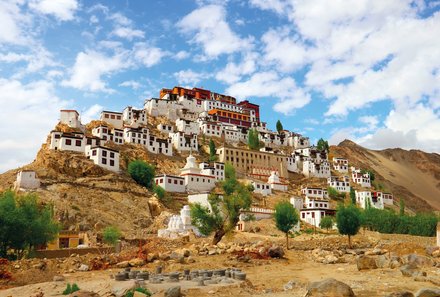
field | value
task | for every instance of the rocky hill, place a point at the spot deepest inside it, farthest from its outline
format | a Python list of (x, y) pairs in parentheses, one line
[(412, 175)]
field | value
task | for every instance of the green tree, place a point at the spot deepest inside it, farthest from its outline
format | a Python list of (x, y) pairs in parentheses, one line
[(348, 219), (352, 196), (335, 194), (223, 214), (111, 235), (279, 126), (326, 223), (24, 224), (142, 172), (286, 217), (323, 145), (212, 151), (253, 141), (160, 192)]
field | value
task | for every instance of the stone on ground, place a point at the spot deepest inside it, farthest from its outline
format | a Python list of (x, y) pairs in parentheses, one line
[(428, 292), (365, 263), (329, 287), (173, 292), (275, 251)]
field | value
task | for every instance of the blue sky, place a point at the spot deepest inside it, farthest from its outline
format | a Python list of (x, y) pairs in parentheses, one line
[(357, 69)]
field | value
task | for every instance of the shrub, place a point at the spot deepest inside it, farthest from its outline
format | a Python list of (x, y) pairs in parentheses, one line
[(142, 173), (70, 289), (253, 140), (160, 192), (212, 151), (111, 235), (326, 223)]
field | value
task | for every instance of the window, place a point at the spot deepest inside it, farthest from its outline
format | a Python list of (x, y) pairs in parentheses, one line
[(104, 153), (181, 182), (94, 153), (68, 142), (104, 161), (112, 154), (106, 116), (112, 162), (78, 143)]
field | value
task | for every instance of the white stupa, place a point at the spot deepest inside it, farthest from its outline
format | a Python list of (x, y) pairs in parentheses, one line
[(179, 225)]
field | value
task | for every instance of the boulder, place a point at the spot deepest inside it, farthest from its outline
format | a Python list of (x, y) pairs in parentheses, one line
[(275, 251), (82, 293), (329, 288), (428, 292), (330, 259), (419, 261), (383, 261), (411, 270), (401, 294), (83, 267), (136, 262), (365, 263), (123, 264), (173, 292), (139, 294), (58, 278)]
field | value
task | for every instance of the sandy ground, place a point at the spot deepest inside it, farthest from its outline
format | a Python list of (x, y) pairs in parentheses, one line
[(265, 277)]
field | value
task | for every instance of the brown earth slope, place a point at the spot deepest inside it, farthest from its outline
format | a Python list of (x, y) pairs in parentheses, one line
[(412, 175)]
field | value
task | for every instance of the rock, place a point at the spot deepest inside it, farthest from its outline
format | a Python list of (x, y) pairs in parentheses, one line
[(82, 293), (212, 252), (186, 253), (365, 263), (329, 288), (428, 292), (58, 278), (190, 259), (436, 253), (289, 286), (275, 251), (152, 257), (164, 256), (136, 262), (401, 294), (83, 267), (411, 270), (383, 261), (139, 294), (42, 265), (419, 261), (431, 249), (330, 259), (123, 264)]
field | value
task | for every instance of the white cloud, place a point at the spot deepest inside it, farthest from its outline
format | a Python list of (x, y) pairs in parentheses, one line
[(128, 33), (181, 55), (91, 66), (92, 113), (148, 55), (13, 23), (189, 77), (278, 6), (63, 10), (370, 121), (233, 72), (131, 84), (269, 84), (32, 110), (209, 29)]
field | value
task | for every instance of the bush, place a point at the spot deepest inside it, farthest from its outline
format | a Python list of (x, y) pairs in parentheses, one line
[(111, 235), (70, 289), (326, 223), (348, 220), (253, 140), (160, 192), (142, 173), (145, 291)]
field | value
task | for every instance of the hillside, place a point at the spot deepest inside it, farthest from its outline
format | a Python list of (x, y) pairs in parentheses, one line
[(412, 175)]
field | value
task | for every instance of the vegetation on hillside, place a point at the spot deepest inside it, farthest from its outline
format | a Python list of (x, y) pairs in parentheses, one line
[(279, 126), (212, 151), (111, 235), (348, 219), (253, 141), (24, 224), (323, 145), (225, 211), (142, 173)]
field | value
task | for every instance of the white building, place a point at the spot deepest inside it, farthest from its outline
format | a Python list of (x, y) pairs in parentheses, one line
[(170, 183), (134, 117), (104, 133), (26, 180), (275, 183), (211, 129), (388, 198), (298, 141), (367, 198), (315, 168), (179, 225), (261, 188), (166, 129), (340, 165), (112, 118), (136, 135), (340, 184), (202, 199), (162, 107), (315, 209), (232, 133), (103, 156), (195, 181), (314, 192), (217, 170), (184, 142), (362, 179), (158, 145), (74, 142), (70, 118), (187, 127)]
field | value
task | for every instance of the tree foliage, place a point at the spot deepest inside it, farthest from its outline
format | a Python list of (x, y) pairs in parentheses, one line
[(160, 192), (225, 211), (212, 151), (111, 235), (24, 224), (142, 172), (335, 194), (352, 196), (401, 207), (348, 219), (279, 126), (286, 217), (323, 145), (253, 141), (326, 223)]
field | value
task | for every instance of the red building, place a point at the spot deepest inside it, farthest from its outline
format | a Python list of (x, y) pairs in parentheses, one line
[(252, 106)]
